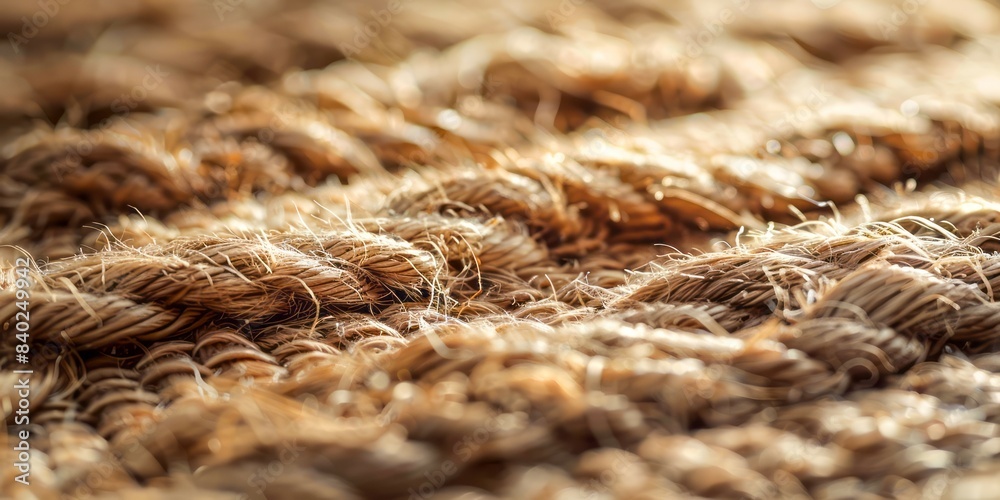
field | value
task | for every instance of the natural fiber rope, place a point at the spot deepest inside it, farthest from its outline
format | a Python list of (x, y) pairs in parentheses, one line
[(518, 252)]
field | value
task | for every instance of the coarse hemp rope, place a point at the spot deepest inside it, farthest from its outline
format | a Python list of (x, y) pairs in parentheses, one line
[(544, 249)]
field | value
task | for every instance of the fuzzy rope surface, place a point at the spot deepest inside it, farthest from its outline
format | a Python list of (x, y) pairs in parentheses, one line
[(543, 249)]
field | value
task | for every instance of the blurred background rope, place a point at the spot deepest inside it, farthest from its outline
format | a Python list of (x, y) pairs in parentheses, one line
[(423, 249)]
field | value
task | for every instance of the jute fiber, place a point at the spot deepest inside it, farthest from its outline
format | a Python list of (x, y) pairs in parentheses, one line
[(532, 249)]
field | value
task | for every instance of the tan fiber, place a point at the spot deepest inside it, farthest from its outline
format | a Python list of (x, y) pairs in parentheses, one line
[(547, 249)]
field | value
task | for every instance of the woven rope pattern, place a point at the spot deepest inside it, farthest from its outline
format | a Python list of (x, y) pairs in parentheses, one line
[(545, 249)]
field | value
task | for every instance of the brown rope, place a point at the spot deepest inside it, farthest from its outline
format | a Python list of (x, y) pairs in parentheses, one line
[(554, 249)]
